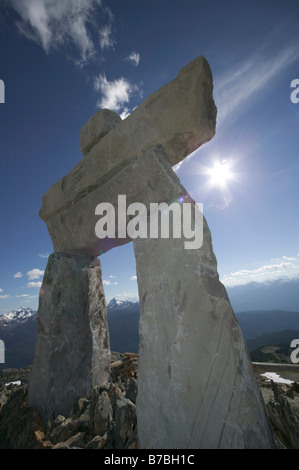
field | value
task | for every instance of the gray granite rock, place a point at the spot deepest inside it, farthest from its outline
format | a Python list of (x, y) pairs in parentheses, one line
[(196, 386), (180, 117), (99, 125), (149, 179), (72, 353)]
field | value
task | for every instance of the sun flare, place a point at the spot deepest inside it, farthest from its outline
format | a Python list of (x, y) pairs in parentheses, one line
[(220, 173)]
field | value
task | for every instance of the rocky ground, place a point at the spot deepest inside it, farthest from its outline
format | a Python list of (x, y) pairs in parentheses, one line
[(107, 418), (282, 404)]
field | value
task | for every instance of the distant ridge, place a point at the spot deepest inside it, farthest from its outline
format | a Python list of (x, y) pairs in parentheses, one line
[(18, 329), (257, 323), (282, 294)]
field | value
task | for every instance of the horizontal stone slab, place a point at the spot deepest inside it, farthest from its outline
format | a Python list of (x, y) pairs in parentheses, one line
[(149, 179), (180, 116)]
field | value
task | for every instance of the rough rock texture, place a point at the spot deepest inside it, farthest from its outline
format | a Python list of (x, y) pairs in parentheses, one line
[(103, 419), (72, 353), (22, 427), (181, 116), (283, 417), (149, 179), (100, 124), (282, 403), (196, 385)]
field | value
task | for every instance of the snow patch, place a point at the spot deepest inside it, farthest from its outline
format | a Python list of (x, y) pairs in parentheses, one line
[(276, 378)]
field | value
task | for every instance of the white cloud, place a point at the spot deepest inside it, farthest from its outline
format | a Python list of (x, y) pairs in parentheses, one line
[(134, 57), (4, 296), (1, 290), (17, 275), (34, 274), (112, 277), (127, 295), (287, 258), (106, 39), (22, 295), (268, 272), (109, 283), (54, 23), (133, 278), (34, 284), (44, 255), (125, 113), (115, 94)]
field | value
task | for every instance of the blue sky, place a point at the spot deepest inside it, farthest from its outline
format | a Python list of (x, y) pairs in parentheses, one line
[(62, 60)]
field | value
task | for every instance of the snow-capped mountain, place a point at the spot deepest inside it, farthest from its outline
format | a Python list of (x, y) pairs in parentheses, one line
[(16, 316), (18, 331), (115, 304)]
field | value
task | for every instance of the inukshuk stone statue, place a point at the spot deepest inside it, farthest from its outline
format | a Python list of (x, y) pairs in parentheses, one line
[(196, 386)]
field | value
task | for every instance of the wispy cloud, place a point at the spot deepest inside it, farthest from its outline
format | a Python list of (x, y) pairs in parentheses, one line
[(106, 39), (279, 268), (133, 278), (1, 290), (236, 90), (115, 94), (4, 296), (44, 255), (27, 296), (34, 284), (69, 24), (125, 113), (134, 58), (18, 275)]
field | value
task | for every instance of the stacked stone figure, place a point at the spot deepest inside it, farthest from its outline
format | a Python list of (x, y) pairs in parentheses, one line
[(196, 387)]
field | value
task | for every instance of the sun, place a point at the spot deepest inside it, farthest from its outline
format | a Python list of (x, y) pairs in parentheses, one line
[(220, 173)]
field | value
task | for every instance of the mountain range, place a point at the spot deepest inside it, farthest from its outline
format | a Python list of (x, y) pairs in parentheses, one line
[(260, 326), (281, 294), (18, 331)]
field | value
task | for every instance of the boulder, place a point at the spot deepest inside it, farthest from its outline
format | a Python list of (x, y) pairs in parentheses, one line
[(125, 431), (101, 414), (21, 427)]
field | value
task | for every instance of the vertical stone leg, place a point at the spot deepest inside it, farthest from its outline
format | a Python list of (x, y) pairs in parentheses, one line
[(72, 353), (196, 386)]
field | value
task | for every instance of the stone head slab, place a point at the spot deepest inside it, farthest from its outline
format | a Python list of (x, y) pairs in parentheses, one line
[(174, 121)]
